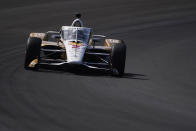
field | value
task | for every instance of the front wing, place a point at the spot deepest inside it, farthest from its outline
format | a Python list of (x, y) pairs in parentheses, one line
[(96, 57)]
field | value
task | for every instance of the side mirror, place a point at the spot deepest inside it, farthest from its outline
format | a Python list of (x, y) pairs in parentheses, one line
[(56, 36), (98, 38)]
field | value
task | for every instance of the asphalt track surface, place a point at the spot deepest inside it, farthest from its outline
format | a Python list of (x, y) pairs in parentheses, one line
[(157, 92)]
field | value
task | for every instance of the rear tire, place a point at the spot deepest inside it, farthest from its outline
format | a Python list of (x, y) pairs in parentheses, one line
[(118, 57), (32, 51)]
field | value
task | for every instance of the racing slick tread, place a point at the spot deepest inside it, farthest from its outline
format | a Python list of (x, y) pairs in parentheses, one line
[(32, 51), (118, 57)]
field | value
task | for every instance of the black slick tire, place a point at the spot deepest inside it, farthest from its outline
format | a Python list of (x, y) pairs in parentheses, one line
[(32, 51), (118, 57)]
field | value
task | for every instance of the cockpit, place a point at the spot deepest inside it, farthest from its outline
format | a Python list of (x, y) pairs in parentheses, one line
[(81, 34)]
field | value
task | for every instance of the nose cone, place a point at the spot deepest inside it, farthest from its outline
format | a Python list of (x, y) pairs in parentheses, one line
[(75, 52)]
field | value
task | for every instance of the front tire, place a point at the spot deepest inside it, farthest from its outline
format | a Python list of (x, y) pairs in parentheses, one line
[(32, 52), (118, 57)]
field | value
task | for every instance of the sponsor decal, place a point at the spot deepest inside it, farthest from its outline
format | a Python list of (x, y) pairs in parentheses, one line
[(33, 63), (76, 45), (39, 35), (113, 41)]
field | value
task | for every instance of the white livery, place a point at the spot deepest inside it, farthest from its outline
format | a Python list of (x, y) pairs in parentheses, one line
[(75, 45)]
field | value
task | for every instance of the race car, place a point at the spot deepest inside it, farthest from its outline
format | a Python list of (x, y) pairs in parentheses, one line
[(75, 45)]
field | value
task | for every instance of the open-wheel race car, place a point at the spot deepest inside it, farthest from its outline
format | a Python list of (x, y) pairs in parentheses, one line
[(75, 45)]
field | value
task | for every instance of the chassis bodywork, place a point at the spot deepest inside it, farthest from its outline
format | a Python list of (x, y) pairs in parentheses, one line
[(57, 51)]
